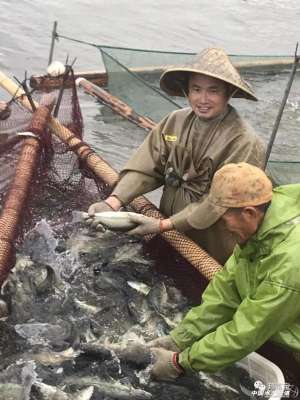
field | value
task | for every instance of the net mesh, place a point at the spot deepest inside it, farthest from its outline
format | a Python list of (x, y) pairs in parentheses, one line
[(15, 201), (148, 59), (59, 168), (139, 91), (62, 162), (284, 172), (58, 173)]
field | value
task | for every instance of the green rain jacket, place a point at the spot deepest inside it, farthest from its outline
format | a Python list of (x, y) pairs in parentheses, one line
[(255, 297)]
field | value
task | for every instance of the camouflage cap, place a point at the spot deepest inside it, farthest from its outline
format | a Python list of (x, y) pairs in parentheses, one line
[(211, 62), (233, 186)]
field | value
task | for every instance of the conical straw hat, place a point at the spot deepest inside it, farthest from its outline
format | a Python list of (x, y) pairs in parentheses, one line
[(210, 62)]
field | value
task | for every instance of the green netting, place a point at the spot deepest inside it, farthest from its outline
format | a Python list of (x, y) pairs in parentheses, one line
[(133, 76), (141, 94), (284, 172), (143, 59)]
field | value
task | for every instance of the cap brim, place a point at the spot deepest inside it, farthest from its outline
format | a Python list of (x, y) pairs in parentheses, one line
[(205, 214)]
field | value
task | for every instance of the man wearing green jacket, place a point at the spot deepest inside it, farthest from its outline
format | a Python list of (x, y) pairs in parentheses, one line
[(256, 296)]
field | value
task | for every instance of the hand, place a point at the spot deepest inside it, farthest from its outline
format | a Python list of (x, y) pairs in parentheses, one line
[(146, 225), (101, 206), (165, 342), (165, 367), (4, 110), (95, 208)]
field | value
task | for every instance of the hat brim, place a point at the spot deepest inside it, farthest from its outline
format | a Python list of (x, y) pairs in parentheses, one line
[(173, 81), (205, 214)]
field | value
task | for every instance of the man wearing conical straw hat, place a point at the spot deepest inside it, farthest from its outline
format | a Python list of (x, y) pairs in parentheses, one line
[(185, 149)]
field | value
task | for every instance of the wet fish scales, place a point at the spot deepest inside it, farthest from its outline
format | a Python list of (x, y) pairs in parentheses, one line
[(11, 391), (47, 392), (113, 389)]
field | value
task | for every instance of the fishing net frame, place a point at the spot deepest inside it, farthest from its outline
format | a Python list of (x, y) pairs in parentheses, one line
[(91, 162)]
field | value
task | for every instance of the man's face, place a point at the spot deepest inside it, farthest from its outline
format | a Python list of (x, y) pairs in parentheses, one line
[(207, 96), (242, 223)]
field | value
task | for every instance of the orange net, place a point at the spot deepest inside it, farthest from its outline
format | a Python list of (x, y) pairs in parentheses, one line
[(106, 177), (13, 207)]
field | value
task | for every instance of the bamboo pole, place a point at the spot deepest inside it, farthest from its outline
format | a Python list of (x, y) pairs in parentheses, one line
[(196, 256), (115, 104), (269, 66), (15, 200)]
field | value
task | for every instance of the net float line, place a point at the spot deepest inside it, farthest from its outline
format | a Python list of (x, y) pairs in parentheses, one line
[(117, 105), (18, 191), (196, 256)]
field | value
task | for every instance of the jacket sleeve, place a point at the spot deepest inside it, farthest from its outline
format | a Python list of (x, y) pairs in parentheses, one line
[(219, 303), (273, 308), (184, 219), (144, 172)]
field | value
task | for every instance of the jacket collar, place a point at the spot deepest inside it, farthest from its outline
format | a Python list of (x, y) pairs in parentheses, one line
[(285, 206), (284, 209)]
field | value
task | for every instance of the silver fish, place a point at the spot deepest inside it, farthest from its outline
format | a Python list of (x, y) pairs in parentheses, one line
[(112, 388), (114, 220), (139, 287), (158, 296), (53, 358), (3, 309), (214, 381), (88, 308), (48, 392), (11, 391), (45, 333), (24, 283), (46, 358)]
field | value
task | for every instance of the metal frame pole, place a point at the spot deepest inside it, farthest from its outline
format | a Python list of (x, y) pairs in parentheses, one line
[(54, 36), (284, 100)]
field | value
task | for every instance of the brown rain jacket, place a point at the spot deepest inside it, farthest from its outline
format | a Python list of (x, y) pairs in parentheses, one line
[(182, 153)]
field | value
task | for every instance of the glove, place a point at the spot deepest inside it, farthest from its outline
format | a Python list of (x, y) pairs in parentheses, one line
[(4, 110), (95, 208), (146, 225), (165, 367), (101, 206), (165, 342)]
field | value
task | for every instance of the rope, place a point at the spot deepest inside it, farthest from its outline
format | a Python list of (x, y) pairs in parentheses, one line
[(100, 46)]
